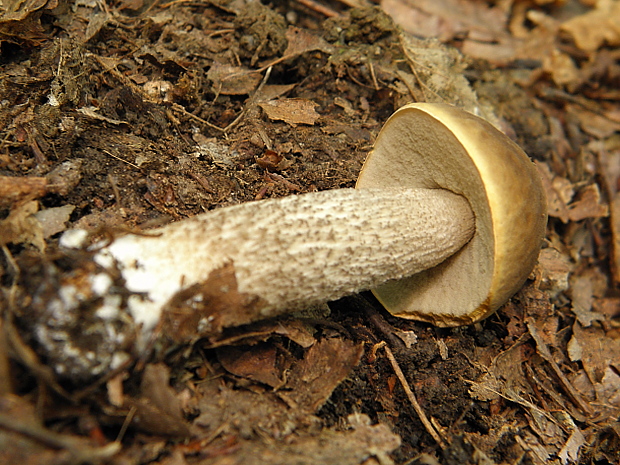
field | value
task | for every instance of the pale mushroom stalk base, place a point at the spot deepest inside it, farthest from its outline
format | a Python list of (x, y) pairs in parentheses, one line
[(291, 252)]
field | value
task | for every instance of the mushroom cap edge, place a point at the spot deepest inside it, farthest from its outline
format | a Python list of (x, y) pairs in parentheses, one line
[(441, 146)]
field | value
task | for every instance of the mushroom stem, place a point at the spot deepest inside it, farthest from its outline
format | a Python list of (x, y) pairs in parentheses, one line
[(295, 251)]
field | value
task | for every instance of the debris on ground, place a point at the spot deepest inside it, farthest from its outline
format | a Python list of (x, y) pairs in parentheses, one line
[(124, 116)]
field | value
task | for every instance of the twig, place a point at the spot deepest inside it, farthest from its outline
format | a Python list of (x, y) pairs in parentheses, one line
[(81, 453), (251, 102), (259, 89), (545, 353), (126, 423), (319, 8), (416, 406), (120, 159), (377, 320), (357, 3), (374, 76), (116, 191), (180, 109)]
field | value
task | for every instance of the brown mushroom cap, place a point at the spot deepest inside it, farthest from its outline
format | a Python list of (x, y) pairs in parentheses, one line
[(438, 146)]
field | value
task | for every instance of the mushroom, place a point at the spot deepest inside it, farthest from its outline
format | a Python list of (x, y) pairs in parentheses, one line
[(445, 225), (437, 146)]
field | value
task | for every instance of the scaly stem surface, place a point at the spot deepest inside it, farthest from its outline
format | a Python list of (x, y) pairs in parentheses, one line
[(295, 251)]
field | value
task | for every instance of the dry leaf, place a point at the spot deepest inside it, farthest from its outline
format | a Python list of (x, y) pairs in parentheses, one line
[(409, 338), (233, 80), (53, 220), (21, 227), (358, 443), (92, 112), (20, 189), (293, 111), (309, 382), (262, 362), (608, 306), (600, 356), (570, 450), (615, 236), (555, 268), (273, 91), (301, 41), (158, 409), (561, 202), (447, 18), (557, 194), (592, 30), (19, 20), (487, 388), (588, 204), (600, 124), (206, 308), (562, 69), (597, 352), (438, 73), (583, 289), (324, 366), (271, 160)]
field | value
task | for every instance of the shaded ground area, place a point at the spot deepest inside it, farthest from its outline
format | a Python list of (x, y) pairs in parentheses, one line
[(130, 115)]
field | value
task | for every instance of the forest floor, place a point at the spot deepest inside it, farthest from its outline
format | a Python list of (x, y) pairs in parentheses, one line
[(126, 115)]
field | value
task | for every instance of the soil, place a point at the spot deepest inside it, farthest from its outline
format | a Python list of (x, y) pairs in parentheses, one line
[(138, 114)]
